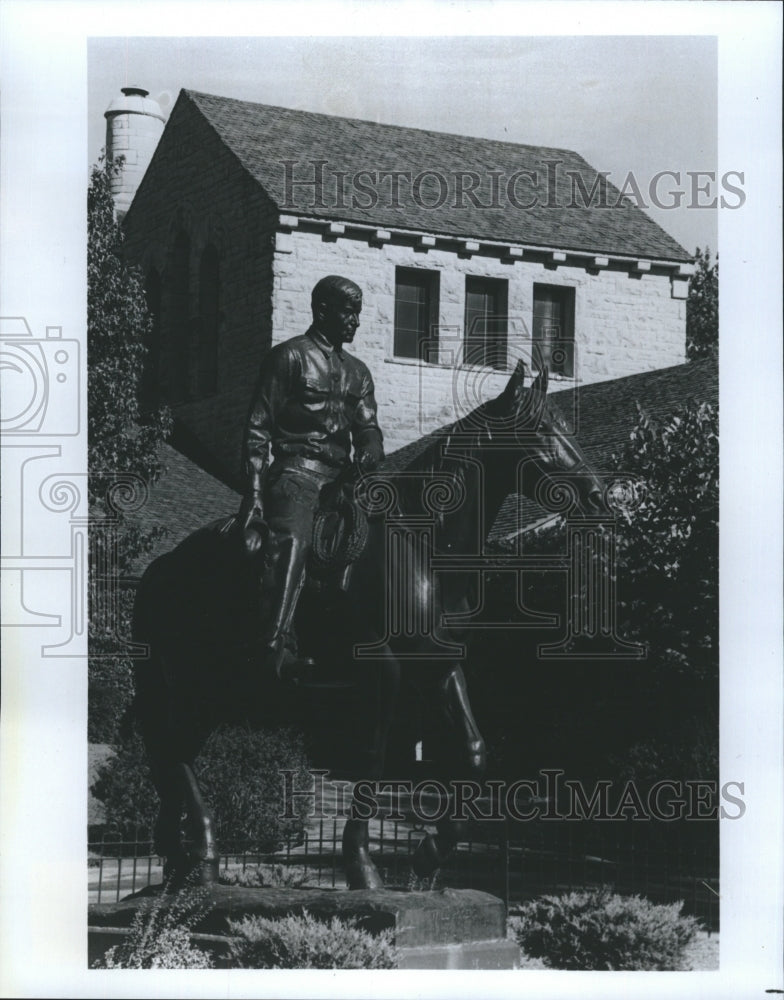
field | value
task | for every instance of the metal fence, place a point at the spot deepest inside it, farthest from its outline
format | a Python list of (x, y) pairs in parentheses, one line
[(515, 864)]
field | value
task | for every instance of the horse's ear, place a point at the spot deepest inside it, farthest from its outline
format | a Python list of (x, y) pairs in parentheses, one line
[(510, 398), (529, 413), (539, 387)]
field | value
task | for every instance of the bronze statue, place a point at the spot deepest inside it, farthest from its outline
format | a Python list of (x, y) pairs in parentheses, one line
[(313, 402), (196, 609)]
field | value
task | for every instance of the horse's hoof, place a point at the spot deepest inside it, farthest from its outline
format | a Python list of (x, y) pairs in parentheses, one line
[(476, 756), (207, 871), (364, 876), (186, 870)]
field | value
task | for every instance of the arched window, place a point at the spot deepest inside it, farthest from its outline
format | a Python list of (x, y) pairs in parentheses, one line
[(149, 389), (177, 360), (209, 319)]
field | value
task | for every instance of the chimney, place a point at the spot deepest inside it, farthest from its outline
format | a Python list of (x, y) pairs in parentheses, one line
[(134, 124)]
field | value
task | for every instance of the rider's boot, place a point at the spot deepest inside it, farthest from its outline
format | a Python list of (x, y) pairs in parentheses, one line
[(282, 586)]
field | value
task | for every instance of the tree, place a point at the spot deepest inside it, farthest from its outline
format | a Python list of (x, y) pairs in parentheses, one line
[(668, 549), (119, 325), (702, 308), (123, 447)]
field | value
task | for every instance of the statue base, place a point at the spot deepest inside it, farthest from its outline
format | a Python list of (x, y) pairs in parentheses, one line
[(446, 929)]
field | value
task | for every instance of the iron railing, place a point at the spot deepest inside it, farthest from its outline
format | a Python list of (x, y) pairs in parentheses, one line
[(513, 863)]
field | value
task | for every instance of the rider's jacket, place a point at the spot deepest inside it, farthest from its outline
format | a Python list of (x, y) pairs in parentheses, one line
[(312, 402)]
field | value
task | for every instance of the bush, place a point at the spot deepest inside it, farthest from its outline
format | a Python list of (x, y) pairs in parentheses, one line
[(110, 693), (303, 942), (160, 935), (597, 929), (239, 773), (124, 786), (688, 753)]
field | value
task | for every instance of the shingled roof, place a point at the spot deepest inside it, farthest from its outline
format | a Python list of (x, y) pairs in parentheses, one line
[(184, 499), (262, 137)]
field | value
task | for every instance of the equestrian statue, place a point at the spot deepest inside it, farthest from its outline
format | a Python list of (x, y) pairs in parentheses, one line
[(250, 608)]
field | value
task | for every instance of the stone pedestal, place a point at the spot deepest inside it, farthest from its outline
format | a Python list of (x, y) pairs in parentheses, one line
[(447, 929)]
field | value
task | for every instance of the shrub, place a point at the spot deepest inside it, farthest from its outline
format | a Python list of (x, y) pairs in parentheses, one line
[(160, 935), (687, 753), (598, 929), (239, 772), (123, 785), (303, 942)]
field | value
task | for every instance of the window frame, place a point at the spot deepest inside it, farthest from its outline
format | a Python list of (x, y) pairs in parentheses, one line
[(568, 296), (430, 280), (487, 351)]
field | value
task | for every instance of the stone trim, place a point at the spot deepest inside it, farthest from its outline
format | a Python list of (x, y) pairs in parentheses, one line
[(466, 247)]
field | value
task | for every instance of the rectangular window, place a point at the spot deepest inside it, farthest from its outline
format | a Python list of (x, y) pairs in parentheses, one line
[(485, 322), (416, 313), (553, 328)]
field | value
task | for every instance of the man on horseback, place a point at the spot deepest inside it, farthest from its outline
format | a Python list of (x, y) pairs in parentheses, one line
[(313, 402)]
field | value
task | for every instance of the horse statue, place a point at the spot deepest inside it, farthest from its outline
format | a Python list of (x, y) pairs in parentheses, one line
[(195, 609)]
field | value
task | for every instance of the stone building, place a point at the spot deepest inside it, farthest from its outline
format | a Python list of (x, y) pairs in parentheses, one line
[(471, 253)]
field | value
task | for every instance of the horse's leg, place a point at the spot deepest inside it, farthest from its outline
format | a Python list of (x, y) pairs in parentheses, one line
[(463, 756), (204, 857), (361, 873), (180, 796), (173, 733), (379, 682)]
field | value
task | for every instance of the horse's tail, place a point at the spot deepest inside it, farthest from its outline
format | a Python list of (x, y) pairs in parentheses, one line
[(148, 629)]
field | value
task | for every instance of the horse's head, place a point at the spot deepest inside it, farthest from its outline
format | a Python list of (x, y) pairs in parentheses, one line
[(530, 429)]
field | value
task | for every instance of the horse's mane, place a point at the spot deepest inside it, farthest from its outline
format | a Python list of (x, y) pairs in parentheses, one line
[(435, 456), (432, 454), (470, 430)]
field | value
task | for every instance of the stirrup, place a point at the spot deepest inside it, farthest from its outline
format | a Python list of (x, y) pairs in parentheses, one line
[(291, 669)]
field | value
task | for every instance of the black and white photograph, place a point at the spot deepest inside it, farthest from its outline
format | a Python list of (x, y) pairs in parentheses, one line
[(392, 537)]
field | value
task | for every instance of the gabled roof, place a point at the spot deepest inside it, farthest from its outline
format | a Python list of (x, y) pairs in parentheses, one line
[(263, 137), (183, 500)]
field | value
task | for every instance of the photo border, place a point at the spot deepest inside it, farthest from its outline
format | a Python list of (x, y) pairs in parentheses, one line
[(44, 172)]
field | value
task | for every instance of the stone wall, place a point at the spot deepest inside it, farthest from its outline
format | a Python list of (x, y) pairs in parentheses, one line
[(195, 185), (625, 322)]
